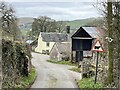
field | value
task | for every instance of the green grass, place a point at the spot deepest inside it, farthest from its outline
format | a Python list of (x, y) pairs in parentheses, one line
[(27, 80), (77, 23), (88, 83), (63, 62), (24, 32), (76, 69)]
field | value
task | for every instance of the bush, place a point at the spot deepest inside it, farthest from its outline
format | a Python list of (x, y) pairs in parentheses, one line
[(15, 60), (22, 57)]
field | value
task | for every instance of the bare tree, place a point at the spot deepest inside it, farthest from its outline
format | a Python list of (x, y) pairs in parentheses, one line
[(111, 13), (46, 24), (8, 21)]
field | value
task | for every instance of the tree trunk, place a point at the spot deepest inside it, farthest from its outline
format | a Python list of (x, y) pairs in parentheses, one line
[(110, 46), (0, 57)]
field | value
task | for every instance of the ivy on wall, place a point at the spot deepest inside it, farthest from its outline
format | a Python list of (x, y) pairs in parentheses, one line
[(16, 57)]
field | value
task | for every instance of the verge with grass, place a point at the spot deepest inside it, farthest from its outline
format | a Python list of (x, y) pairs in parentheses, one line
[(88, 83), (76, 69), (27, 81), (64, 62)]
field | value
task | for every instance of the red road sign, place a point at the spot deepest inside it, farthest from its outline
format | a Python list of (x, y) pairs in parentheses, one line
[(97, 47)]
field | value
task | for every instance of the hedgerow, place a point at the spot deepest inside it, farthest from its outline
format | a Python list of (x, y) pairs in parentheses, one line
[(16, 62)]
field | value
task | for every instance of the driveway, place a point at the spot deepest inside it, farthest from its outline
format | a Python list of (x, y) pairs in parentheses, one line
[(51, 75)]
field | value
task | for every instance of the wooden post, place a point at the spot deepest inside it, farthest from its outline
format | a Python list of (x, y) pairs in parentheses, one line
[(71, 57), (96, 67), (76, 56), (82, 69)]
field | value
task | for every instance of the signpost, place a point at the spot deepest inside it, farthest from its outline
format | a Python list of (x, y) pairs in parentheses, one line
[(97, 47)]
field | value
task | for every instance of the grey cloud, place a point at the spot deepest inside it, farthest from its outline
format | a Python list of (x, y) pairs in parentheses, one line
[(57, 10)]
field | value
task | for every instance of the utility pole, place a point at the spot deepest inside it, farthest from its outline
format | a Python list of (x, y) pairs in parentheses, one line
[(110, 44)]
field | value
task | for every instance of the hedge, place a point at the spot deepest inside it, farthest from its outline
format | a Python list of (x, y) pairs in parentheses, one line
[(16, 59)]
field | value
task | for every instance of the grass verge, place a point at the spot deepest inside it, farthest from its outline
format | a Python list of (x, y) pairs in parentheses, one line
[(63, 62), (27, 81), (88, 83), (76, 69)]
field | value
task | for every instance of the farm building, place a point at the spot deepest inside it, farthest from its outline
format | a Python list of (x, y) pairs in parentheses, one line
[(60, 51), (82, 41)]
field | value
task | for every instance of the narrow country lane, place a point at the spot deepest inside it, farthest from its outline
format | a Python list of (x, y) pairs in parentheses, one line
[(51, 75)]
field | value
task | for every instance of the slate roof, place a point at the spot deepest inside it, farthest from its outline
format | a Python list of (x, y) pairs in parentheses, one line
[(63, 47), (54, 37)]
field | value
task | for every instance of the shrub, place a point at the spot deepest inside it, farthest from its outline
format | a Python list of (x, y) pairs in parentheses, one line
[(15, 59)]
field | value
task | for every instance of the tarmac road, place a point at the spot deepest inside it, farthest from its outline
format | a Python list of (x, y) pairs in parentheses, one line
[(51, 75)]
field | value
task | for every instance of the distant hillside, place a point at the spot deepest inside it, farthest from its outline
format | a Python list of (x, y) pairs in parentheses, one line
[(25, 20), (77, 23), (25, 23)]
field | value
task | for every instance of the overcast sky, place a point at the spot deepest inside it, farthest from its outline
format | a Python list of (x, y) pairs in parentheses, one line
[(61, 10)]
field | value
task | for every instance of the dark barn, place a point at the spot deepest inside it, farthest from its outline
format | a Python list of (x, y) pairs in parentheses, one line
[(82, 40)]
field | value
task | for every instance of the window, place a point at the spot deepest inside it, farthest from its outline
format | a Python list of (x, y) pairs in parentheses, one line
[(47, 44)]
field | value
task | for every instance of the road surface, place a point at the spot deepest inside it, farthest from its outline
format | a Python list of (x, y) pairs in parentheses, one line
[(51, 75)]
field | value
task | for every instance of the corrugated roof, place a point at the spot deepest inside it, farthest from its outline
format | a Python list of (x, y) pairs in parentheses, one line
[(54, 37), (92, 31)]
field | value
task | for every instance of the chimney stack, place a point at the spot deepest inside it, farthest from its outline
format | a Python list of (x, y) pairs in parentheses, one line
[(68, 29)]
